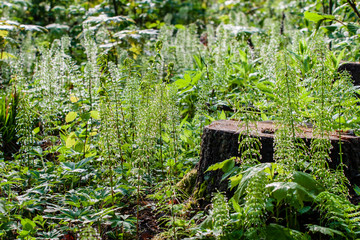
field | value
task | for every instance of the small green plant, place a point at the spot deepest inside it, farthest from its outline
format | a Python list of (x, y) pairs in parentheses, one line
[(9, 105)]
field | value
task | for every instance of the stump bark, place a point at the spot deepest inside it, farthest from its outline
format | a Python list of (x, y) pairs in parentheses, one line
[(220, 141)]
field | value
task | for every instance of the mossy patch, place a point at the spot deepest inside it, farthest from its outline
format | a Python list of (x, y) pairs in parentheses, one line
[(199, 193), (187, 184)]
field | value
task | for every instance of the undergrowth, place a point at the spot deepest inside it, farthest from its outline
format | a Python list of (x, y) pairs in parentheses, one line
[(94, 138)]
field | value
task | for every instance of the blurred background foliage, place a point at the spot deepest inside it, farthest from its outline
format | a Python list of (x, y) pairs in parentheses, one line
[(49, 20)]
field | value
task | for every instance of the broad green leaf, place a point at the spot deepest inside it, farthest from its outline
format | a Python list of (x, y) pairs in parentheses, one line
[(229, 173), (224, 165), (264, 117), (324, 230), (184, 120), (181, 83), (79, 147), (83, 162), (187, 77), (70, 117), (27, 224), (70, 166), (235, 180), (236, 205), (196, 78), (95, 115), (228, 165), (243, 56), (265, 87), (247, 175), (180, 26), (316, 17), (70, 140), (290, 192), (85, 116), (308, 182)]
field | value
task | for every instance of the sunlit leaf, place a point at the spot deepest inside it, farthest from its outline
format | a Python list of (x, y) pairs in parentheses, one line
[(316, 17), (95, 115), (70, 116)]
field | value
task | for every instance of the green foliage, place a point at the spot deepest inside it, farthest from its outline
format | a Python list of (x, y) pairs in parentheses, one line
[(8, 125), (114, 98)]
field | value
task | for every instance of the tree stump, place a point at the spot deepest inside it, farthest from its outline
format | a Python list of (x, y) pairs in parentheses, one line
[(220, 141), (353, 69)]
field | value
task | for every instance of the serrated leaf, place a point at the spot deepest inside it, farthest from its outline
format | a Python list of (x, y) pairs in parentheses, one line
[(95, 115), (70, 117)]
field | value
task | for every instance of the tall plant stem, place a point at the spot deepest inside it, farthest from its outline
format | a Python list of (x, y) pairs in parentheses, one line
[(119, 134), (160, 127), (340, 143), (111, 172), (289, 103), (138, 203), (86, 138)]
